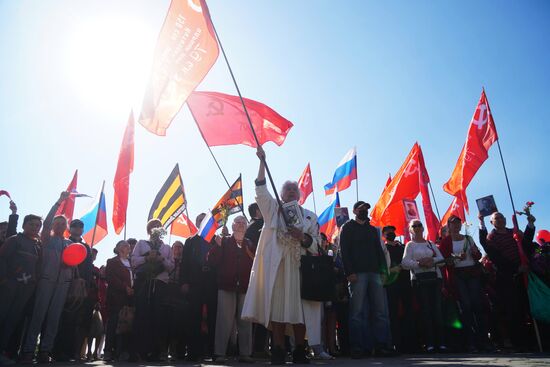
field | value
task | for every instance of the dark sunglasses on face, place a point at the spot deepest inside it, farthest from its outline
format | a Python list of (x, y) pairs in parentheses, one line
[(417, 226)]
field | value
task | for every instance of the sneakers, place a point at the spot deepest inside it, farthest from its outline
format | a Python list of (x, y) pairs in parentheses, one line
[(323, 356)]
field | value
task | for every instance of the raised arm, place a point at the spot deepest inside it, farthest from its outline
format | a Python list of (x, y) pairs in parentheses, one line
[(47, 225)]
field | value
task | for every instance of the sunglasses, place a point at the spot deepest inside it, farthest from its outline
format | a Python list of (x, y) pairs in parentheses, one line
[(417, 226)]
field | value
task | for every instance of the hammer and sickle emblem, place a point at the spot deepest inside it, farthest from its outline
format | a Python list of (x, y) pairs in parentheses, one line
[(411, 168), (215, 108), (482, 117)]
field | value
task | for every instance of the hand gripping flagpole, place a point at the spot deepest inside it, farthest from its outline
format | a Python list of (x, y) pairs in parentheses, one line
[(245, 111)]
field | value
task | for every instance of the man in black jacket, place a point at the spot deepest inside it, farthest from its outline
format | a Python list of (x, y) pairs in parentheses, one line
[(512, 305), (199, 285), (18, 265), (364, 262)]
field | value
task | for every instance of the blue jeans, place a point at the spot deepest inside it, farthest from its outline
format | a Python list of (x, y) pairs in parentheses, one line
[(369, 321)]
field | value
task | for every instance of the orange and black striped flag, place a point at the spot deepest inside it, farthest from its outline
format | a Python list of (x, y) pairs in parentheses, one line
[(230, 203)]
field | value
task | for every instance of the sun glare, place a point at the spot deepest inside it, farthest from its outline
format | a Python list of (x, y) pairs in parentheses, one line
[(110, 60)]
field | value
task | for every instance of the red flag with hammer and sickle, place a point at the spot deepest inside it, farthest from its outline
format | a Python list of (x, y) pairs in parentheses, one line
[(481, 135), (222, 120)]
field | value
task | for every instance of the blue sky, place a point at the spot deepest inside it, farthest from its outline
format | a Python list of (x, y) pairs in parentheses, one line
[(371, 74)]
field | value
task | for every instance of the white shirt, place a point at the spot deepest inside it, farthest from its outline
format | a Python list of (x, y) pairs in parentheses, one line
[(458, 249), (126, 264), (415, 251)]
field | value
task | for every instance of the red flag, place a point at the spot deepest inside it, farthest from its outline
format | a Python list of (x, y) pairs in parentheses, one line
[(186, 50), (404, 185), (183, 227), (482, 134), (305, 184), (388, 180), (222, 120), (121, 182), (4, 192), (432, 223), (410, 180), (456, 208), (67, 206)]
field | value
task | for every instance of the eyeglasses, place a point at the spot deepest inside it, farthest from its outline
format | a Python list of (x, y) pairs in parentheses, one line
[(417, 226)]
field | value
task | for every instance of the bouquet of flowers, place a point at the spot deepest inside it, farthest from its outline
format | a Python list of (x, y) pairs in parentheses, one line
[(153, 268)]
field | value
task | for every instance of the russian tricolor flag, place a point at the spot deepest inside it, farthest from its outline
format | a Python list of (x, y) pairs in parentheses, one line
[(344, 174), (95, 221), (208, 227), (327, 219)]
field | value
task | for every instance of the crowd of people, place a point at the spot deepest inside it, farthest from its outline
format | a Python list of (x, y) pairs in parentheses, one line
[(239, 295)]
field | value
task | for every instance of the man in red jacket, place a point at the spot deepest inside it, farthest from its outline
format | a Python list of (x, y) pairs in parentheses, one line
[(232, 257)]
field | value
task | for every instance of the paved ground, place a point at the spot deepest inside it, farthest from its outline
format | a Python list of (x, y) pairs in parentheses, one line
[(449, 360)]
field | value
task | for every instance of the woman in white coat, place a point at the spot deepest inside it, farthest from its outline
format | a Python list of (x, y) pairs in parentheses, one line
[(273, 297)]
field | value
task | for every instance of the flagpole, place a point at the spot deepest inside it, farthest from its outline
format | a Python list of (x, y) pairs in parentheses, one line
[(356, 178), (97, 214), (241, 205), (514, 220), (314, 205), (245, 111), (435, 202), (506, 177), (125, 227)]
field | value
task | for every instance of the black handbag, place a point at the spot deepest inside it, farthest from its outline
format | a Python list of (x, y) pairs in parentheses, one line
[(318, 279), (428, 277)]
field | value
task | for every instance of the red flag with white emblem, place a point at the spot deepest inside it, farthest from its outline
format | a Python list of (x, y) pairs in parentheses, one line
[(186, 50), (305, 184), (183, 227), (481, 135), (457, 209)]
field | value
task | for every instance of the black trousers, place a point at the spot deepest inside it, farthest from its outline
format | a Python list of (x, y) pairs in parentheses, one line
[(402, 325), (429, 297), (204, 296), (151, 320), (15, 298)]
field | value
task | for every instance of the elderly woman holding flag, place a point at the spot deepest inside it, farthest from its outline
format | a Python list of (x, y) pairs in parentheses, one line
[(273, 297)]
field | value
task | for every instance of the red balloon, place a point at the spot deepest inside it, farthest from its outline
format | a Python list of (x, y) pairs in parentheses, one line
[(543, 236), (74, 254)]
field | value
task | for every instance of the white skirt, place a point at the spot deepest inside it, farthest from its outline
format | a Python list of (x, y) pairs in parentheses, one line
[(286, 300)]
